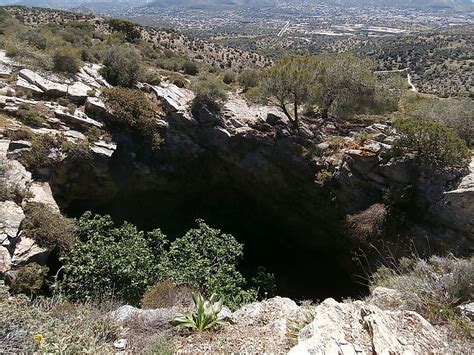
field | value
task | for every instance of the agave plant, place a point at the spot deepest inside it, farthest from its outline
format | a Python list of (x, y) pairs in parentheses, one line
[(204, 317)]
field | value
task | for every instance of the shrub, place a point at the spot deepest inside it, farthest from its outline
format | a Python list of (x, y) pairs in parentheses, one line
[(229, 77), (436, 146), (204, 317), (368, 224), (107, 261), (30, 279), (132, 109), (165, 294), (122, 66), (190, 67), (249, 79), (210, 94), (206, 259), (30, 116), (40, 154), (130, 31), (67, 60), (48, 228), (432, 287)]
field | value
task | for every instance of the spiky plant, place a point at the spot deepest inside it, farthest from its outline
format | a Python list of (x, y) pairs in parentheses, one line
[(205, 316)]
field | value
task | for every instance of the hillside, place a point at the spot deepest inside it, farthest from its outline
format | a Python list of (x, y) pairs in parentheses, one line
[(154, 200)]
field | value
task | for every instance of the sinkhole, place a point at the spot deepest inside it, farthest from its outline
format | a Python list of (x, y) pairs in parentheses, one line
[(306, 252)]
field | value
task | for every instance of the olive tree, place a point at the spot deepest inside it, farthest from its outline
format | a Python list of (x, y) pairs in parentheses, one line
[(290, 82), (346, 82)]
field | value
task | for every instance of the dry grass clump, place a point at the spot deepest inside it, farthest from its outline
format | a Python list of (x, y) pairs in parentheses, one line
[(165, 294), (48, 228), (368, 224), (432, 287), (54, 326)]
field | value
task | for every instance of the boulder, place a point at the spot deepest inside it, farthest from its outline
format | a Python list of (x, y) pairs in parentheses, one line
[(466, 310), (11, 216), (49, 87), (273, 119), (158, 317), (77, 120), (358, 327), (386, 298), (41, 192), (27, 251), (26, 88)]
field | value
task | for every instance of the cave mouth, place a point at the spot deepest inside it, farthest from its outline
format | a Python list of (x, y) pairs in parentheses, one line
[(302, 271)]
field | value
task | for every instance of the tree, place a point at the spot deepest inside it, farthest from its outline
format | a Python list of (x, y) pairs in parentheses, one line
[(130, 30), (346, 84), (122, 66), (290, 81)]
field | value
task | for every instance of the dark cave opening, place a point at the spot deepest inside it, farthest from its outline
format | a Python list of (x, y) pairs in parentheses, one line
[(271, 240)]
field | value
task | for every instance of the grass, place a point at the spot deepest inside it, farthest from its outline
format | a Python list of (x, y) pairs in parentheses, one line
[(432, 287), (54, 326)]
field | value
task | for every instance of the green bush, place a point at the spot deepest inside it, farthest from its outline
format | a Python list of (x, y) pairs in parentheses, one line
[(206, 259), (190, 67), (30, 116), (229, 77), (30, 279), (131, 108), (122, 66), (67, 60), (107, 261), (48, 228), (249, 79), (210, 94), (130, 31), (39, 155), (435, 145)]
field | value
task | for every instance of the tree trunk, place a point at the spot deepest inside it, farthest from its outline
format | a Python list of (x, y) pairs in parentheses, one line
[(295, 123), (285, 111)]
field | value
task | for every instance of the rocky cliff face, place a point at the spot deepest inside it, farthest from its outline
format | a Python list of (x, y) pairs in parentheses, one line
[(247, 153)]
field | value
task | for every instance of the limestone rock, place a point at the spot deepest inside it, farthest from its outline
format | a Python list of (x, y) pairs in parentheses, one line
[(27, 251), (357, 327), (77, 120), (42, 193), (5, 260), (11, 216), (160, 316), (456, 209), (386, 298), (467, 310)]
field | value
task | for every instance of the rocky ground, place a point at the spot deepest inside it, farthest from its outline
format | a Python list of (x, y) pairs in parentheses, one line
[(249, 143)]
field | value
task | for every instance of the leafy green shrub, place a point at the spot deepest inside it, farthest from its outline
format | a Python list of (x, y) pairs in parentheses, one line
[(165, 294), (436, 146), (122, 66), (131, 108), (431, 287), (249, 79), (229, 77), (206, 259), (210, 94), (107, 261), (67, 60), (190, 67), (30, 279), (48, 228), (131, 31), (204, 317)]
